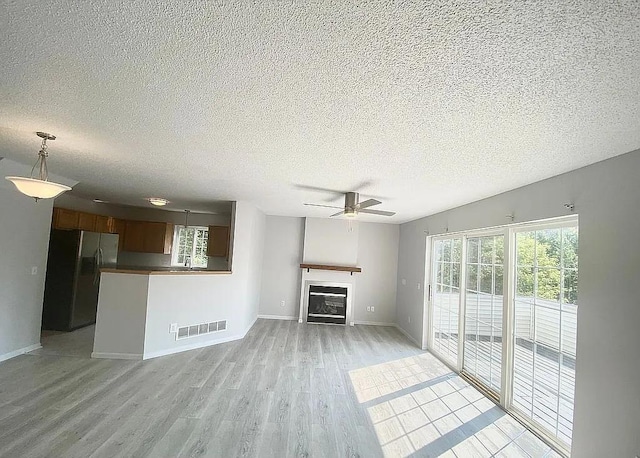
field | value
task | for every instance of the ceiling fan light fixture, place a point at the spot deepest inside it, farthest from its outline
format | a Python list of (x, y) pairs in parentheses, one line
[(350, 213), (158, 201), (40, 187)]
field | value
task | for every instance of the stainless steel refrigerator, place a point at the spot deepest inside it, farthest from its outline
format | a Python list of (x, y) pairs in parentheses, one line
[(73, 277)]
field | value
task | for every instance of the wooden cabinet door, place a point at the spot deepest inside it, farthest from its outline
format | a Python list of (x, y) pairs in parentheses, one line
[(134, 236), (65, 219), (87, 221), (218, 244), (154, 237), (119, 227), (104, 224)]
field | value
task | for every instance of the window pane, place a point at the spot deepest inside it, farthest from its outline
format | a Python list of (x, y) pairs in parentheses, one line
[(524, 282), (548, 248), (548, 286), (483, 315), (446, 299), (545, 330), (570, 247)]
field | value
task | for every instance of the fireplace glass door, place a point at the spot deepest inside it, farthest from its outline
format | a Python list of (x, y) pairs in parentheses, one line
[(327, 304)]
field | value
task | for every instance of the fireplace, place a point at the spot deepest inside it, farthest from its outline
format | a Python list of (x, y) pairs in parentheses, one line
[(327, 304)]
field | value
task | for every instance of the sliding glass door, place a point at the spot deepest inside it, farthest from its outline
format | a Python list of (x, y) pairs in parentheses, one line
[(484, 302), (517, 317), (545, 305), (446, 298)]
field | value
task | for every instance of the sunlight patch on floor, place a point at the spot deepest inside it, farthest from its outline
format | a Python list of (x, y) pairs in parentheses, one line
[(417, 405)]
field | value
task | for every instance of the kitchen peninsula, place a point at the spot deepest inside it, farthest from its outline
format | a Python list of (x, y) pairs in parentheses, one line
[(146, 313)]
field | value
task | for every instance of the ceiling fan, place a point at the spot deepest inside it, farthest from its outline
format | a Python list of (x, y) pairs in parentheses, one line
[(353, 206)]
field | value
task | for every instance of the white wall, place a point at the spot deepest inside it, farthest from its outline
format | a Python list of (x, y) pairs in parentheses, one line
[(606, 196), (194, 299), (284, 237), (330, 241), (24, 241), (122, 313), (371, 246)]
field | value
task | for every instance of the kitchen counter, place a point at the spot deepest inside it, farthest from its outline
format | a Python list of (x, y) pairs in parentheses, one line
[(167, 272)]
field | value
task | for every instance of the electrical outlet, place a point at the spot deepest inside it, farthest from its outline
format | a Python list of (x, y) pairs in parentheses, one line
[(34, 270), (409, 319), (173, 328), (418, 285), (281, 303), (368, 309)]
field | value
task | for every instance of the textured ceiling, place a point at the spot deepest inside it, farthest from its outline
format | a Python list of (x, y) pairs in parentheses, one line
[(428, 105)]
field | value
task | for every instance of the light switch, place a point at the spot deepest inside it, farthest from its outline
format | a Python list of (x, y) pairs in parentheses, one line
[(173, 327), (373, 309), (404, 281), (34, 270), (281, 303)]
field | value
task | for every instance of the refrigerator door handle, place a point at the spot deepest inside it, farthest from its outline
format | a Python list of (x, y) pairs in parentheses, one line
[(96, 267)]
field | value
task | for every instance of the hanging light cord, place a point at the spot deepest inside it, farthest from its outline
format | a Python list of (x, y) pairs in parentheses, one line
[(42, 160)]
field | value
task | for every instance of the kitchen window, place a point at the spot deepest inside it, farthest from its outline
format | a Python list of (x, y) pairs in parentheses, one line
[(190, 246)]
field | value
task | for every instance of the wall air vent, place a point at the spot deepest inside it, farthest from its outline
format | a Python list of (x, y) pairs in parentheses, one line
[(194, 330)]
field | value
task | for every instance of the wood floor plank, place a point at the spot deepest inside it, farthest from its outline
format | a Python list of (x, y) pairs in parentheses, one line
[(284, 390)]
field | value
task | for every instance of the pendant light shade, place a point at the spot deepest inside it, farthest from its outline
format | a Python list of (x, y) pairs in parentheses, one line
[(40, 187)]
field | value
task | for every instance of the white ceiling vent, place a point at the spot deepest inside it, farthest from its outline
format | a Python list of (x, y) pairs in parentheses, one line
[(200, 329)]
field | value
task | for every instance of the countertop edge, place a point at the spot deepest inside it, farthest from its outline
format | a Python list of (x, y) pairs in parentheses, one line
[(166, 272)]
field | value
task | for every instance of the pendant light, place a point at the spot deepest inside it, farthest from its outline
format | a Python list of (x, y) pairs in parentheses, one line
[(41, 187)]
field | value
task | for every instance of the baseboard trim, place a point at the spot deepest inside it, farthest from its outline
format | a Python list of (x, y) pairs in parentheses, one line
[(408, 336), (129, 356), (278, 317), (21, 351), (375, 323), (196, 345)]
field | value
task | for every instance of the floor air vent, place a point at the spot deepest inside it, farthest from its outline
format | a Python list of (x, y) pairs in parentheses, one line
[(200, 329)]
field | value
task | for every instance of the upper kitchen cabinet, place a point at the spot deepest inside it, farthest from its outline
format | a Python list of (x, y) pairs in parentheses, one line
[(72, 219), (87, 222), (65, 219), (218, 244), (148, 237), (105, 224)]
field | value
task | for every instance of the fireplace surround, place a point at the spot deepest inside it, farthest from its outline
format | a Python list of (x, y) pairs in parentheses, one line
[(326, 302)]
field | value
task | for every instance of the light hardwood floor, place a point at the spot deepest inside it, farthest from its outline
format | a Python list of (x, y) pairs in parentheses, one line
[(286, 389)]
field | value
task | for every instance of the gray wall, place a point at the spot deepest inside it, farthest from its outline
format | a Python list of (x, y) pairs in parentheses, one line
[(372, 246), (606, 196), (24, 241), (284, 237)]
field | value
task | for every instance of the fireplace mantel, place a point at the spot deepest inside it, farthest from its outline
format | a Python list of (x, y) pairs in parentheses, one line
[(350, 269)]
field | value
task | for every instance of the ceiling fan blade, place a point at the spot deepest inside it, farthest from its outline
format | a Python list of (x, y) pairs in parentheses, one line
[(369, 203), (377, 212), (325, 206), (337, 214)]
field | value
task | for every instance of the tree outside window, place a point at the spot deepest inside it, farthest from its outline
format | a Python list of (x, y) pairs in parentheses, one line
[(190, 246)]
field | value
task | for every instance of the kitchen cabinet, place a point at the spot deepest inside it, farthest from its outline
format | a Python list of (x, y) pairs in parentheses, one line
[(218, 244), (65, 219), (87, 221), (119, 227), (105, 224), (148, 237), (71, 219)]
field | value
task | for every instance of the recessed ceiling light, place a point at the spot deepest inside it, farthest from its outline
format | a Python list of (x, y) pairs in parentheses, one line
[(158, 202)]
